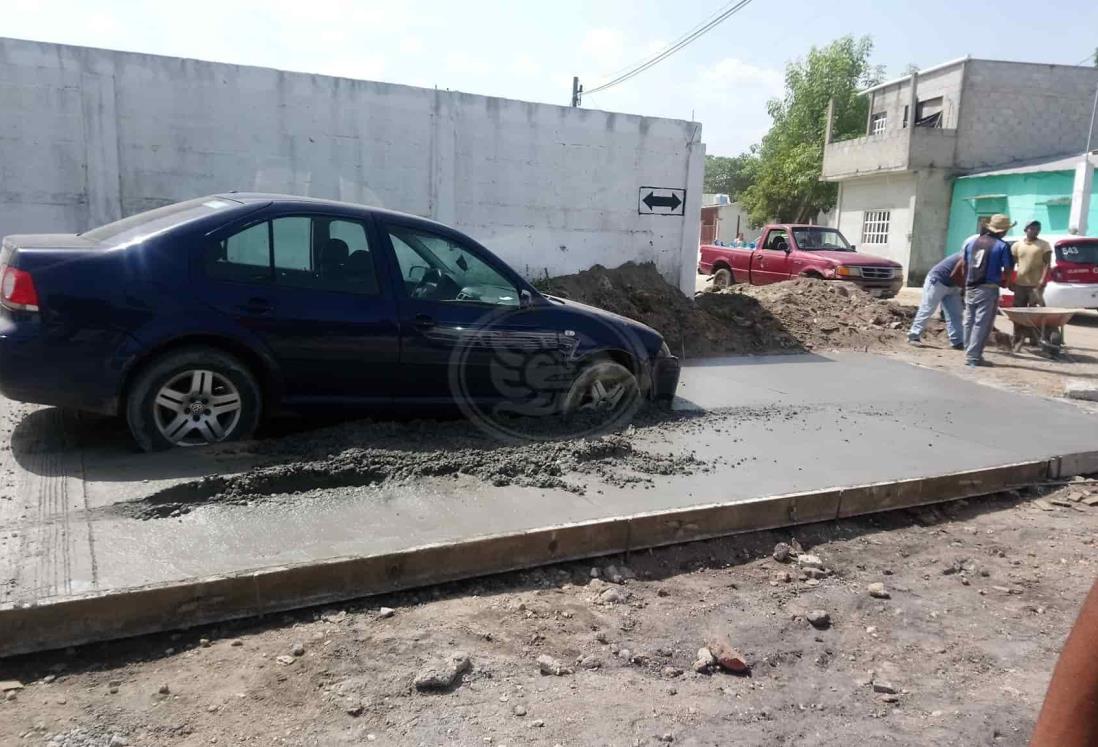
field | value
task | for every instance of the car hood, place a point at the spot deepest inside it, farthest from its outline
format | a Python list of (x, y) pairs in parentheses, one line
[(855, 259), (646, 333)]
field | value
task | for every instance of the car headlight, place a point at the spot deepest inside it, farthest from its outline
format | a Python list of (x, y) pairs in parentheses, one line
[(664, 351), (846, 271)]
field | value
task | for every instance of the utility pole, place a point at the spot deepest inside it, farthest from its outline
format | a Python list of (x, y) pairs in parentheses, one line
[(577, 91)]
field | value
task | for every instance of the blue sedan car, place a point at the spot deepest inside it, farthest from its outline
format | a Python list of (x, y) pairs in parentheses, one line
[(195, 320)]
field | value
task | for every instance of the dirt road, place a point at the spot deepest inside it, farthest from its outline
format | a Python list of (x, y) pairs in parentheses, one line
[(981, 595)]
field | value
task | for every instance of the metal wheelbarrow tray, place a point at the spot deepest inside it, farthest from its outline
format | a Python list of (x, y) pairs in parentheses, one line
[(1048, 321)]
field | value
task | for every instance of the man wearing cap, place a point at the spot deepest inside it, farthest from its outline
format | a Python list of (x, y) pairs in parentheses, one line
[(1032, 257), (988, 262)]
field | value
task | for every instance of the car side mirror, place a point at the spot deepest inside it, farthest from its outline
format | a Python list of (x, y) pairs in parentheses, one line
[(526, 300), (416, 273), (853, 247)]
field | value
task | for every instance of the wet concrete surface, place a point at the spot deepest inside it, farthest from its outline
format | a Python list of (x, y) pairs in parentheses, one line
[(83, 512)]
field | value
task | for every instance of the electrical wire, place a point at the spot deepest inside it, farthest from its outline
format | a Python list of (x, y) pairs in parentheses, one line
[(675, 47)]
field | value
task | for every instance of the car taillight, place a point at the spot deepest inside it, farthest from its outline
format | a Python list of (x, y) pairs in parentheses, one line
[(1056, 276), (17, 290)]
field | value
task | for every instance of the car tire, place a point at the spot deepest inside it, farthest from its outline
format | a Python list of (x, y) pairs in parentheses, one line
[(722, 278), (191, 397), (606, 391)]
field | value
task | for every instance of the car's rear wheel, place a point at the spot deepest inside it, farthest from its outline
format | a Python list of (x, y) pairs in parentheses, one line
[(722, 278), (192, 397), (605, 391)]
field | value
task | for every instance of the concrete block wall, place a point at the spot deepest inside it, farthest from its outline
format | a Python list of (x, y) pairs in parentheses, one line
[(1017, 111), (894, 193), (866, 155), (930, 223), (88, 136)]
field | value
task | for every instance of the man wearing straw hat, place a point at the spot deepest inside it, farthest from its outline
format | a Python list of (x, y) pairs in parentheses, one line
[(987, 265)]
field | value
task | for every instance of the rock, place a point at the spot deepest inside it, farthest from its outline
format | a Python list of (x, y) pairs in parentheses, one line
[(298, 649), (877, 591), (819, 619), (705, 662), (284, 659), (817, 573), (519, 709), (611, 596), (10, 685), (443, 673), (164, 690), (672, 672), (663, 593), (809, 561), (355, 711), (668, 737), (10, 695), (728, 658), (601, 637), (783, 553), (890, 698), (613, 575), (204, 642), (594, 572), (812, 582), (782, 577), (237, 642), (883, 686), (588, 662), (49, 678), (386, 612), (117, 740), (548, 665), (1081, 389), (537, 723)]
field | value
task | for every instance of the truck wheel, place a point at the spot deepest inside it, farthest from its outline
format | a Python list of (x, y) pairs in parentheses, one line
[(722, 278), (192, 397)]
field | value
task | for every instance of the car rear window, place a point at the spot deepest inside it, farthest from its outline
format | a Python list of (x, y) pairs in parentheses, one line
[(1083, 253), (159, 219)]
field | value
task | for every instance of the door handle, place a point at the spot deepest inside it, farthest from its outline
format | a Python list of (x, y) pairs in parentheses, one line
[(257, 306), (423, 321)]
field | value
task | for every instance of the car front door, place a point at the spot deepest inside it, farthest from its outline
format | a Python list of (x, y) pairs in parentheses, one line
[(466, 330), (770, 263), (316, 299)]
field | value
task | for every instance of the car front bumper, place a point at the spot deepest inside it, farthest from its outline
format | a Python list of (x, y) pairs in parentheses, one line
[(665, 378)]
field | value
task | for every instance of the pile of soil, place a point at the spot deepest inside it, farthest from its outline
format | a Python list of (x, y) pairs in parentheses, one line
[(796, 315)]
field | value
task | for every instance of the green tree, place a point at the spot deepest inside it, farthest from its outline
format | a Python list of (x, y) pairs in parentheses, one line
[(730, 175), (787, 184)]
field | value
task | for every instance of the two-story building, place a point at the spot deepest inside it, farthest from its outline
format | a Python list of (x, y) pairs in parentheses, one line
[(925, 129)]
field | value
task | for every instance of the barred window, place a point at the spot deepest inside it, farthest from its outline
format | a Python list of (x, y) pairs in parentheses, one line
[(878, 123), (875, 226)]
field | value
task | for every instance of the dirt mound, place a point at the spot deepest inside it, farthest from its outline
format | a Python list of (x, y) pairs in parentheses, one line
[(801, 314)]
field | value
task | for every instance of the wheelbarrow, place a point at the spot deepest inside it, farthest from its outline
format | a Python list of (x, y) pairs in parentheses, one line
[(1046, 322)]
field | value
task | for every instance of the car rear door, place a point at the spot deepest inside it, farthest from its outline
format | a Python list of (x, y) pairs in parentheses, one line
[(310, 286), (465, 332)]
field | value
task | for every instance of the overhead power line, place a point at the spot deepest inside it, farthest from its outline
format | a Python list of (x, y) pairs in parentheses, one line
[(683, 41)]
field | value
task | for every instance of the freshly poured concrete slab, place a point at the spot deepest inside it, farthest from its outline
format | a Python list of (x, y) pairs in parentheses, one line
[(809, 437)]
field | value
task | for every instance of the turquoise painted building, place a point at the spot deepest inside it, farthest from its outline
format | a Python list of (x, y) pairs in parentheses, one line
[(1037, 190)]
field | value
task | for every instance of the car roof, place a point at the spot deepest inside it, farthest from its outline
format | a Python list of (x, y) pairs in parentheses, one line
[(250, 198)]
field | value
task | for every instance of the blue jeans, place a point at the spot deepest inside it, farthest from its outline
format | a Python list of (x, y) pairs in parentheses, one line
[(949, 297)]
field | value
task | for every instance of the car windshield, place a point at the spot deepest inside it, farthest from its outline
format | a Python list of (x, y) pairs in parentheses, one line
[(145, 224), (1083, 254), (827, 239)]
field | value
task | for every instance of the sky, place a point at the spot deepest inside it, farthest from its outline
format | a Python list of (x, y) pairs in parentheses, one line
[(530, 50)]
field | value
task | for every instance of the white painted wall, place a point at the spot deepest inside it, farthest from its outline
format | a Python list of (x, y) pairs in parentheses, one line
[(88, 135), (895, 193)]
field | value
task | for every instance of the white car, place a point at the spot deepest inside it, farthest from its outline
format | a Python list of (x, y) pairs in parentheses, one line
[(1073, 281)]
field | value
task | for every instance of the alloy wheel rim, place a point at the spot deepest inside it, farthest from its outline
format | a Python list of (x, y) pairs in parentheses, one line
[(603, 395), (197, 407)]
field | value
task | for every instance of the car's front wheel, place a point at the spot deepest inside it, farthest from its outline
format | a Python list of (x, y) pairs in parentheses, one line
[(192, 397), (605, 391)]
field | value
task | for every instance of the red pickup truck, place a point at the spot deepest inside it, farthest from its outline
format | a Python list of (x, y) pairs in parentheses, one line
[(788, 251)]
